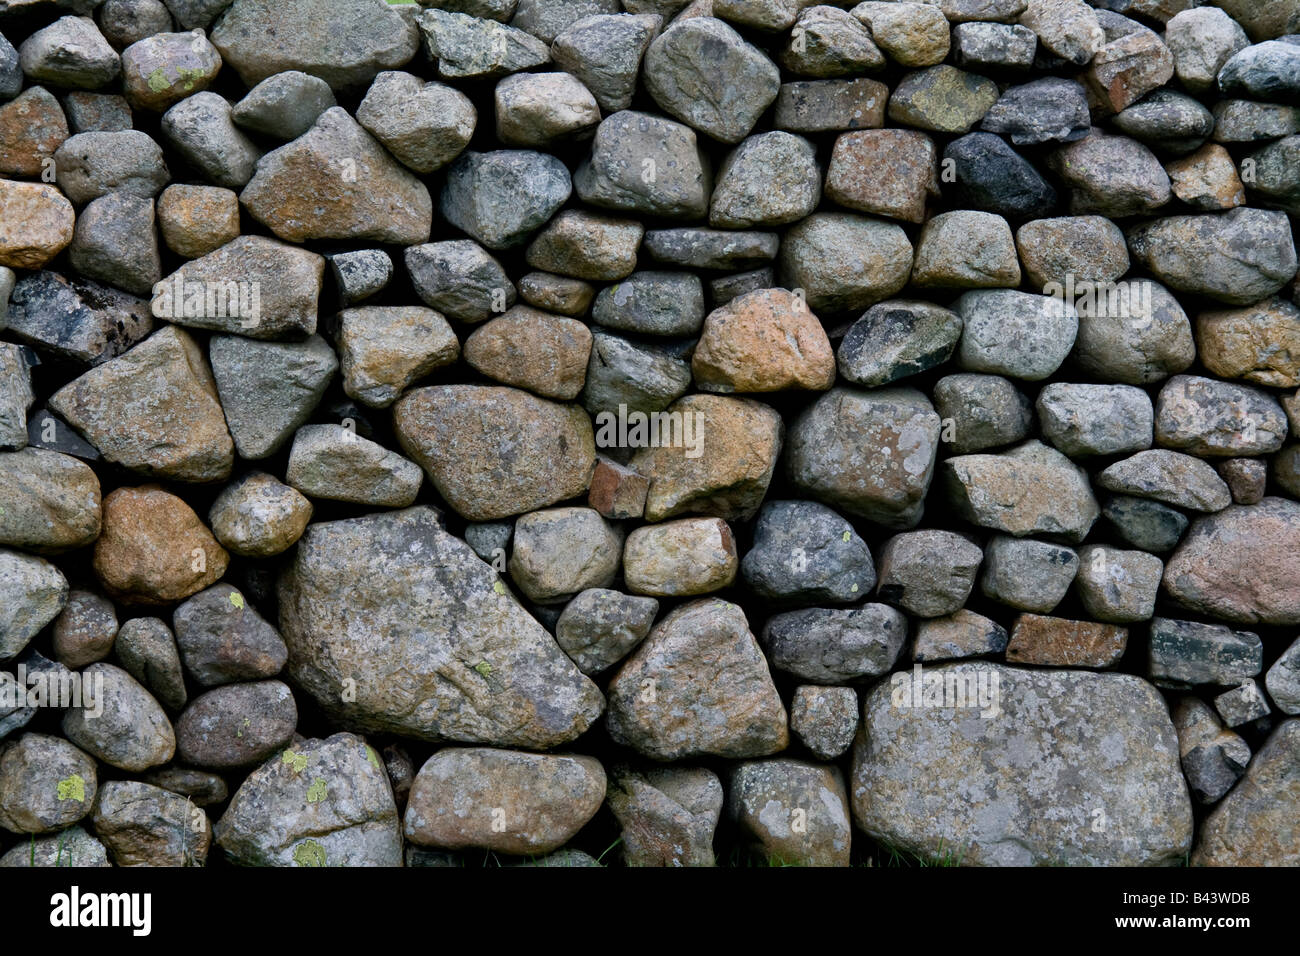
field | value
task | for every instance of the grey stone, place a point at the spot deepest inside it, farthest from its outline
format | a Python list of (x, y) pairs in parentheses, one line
[(470, 48), (49, 502), (819, 106), (964, 634), (979, 412), (279, 289), (993, 47), (335, 463), (501, 197), (805, 553), (604, 52), (1245, 121), (668, 814), (202, 131), (384, 349), (115, 241), (1041, 111), (824, 719), (642, 378), (236, 725), (769, 179), (1026, 574), (993, 177), (318, 803), (344, 42), (1089, 248), (794, 813), (70, 52), (425, 125), (1118, 586), (701, 248), (222, 639), (46, 784), (967, 249), (645, 164), (542, 799), (1169, 477), (460, 279), (541, 110), (558, 552), (837, 646), (360, 274), (1242, 704), (1031, 489), (394, 604), (1167, 121), (34, 591), (1201, 254), (653, 303), (500, 10), (284, 105), (1016, 334), (70, 847), (11, 73), (1267, 71), (928, 573), (1096, 419), (16, 396), (490, 539), (202, 788), (258, 516), (1144, 339), (1186, 654), (827, 41), (1213, 759), (599, 627), (1276, 181), (144, 825), (824, 453), (122, 725), (547, 19), (702, 72), (1144, 523), (84, 631), (147, 651), (1066, 29), (196, 13), (154, 410), (1112, 176), (1111, 731), (733, 285), (1202, 40), (88, 165), (844, 262), (728, 708), (1283, 680), (1246, 479), (1206, 417), (269, 389)]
